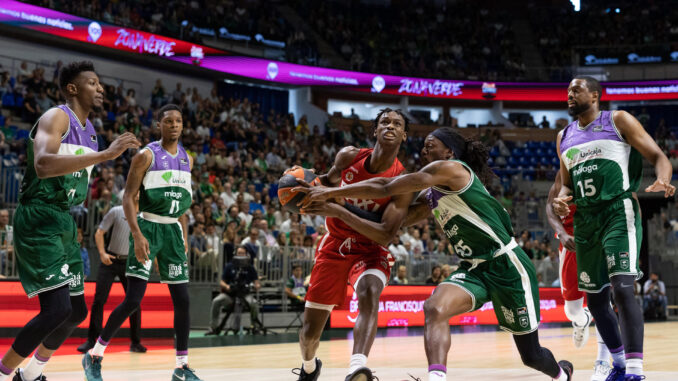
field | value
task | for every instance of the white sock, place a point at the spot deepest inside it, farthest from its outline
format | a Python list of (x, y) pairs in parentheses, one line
[(309, 366), (3, 377), (619, 359), (437, 375), (574, 309), (99, 348), (603, 352), (34, 368), (562, 376), (634, 366), (182, 360), (358, 361)]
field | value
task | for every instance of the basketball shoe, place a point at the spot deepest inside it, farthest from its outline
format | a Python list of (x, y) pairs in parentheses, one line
[(600, 371), (184, 374), (19, 376), (567, 367), (361, 374), (92, 366), (303, 376), (616, 374), (580, 335)]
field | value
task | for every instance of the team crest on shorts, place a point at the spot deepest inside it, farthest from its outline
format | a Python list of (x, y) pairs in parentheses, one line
[(523, 321), (624, 263), (585, 277)]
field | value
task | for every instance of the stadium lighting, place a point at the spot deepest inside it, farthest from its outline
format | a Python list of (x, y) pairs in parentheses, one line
[(576, 4)]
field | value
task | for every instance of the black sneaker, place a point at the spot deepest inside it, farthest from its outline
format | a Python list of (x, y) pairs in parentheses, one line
[(303, 376), (567, 367), (360, 374), (86, 346), (212, 332), (137, 348), (18, 376)]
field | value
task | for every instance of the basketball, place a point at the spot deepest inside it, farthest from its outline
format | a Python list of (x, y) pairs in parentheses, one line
[(288, 198)]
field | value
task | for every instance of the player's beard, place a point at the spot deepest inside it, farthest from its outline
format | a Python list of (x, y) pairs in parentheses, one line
[(578, 109)]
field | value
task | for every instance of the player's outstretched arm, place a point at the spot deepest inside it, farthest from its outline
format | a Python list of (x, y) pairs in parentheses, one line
[(444, 173), (140, 163), (555, 221), (51, 128), (634, 133), (417, 212)]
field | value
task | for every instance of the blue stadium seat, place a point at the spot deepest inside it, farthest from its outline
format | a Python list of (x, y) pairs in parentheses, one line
[(545, 161), (534, 161), (490, 162), (522, 160), (2, 120), (8, 100), (512, 162), (517, 152), (555, 161), (494, 152), (18, 101), (21, 135), (539, 152)]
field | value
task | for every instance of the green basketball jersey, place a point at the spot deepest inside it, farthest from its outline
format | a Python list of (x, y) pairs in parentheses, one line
[(475, 222), (166, 187), (67, 190), (602, 165)]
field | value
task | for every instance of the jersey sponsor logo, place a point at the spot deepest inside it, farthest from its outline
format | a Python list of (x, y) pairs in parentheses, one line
[(443, 215), (169, 179), (183, 161), (173, 194), (586, 169), (584, 277), (368, 205), (64, 270), (49, 277), (624, 254), (577, 154), (610, 261), (167, 176), (598, 128), (346, 244), (508, 315), (349, 176), (459, 277), (174, 270), (147, 265), (76, 280), (80, 151), (522, 311)]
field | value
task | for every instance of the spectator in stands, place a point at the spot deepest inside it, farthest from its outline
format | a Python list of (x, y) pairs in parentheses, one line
[(198, 243), (436, 276), (446, 271), (30, 108), (295, 288), (401, 276), (398, 250), (544, 123), (158, 94), (229, 240), (6, 243), (239, 279), (549, 268), (252, 240), (655, 298), (178, 95)]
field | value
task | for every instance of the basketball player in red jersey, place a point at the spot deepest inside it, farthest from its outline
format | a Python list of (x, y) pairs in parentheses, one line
[(361, 259), (574, 299)]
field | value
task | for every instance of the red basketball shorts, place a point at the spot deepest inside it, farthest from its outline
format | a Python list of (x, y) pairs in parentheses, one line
[(569, 285), (341, 262)]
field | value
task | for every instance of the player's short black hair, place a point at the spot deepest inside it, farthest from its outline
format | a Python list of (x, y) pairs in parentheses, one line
[(71, 71), (167, 107), (592, 84), (386, 110)]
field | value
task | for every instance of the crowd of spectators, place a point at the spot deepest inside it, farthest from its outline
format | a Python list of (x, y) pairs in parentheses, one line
[(601, 27), (199, 21), (432, 39)]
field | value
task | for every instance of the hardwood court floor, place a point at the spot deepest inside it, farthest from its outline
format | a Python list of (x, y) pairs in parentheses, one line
[(474, 356)]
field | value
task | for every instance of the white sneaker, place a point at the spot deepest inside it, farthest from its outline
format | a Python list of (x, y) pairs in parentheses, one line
[(580, 335), (600, 371)]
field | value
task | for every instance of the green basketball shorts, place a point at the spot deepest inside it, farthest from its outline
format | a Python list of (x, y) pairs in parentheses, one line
[(166, 243), (47, 250), (509, 281), (608, 243)]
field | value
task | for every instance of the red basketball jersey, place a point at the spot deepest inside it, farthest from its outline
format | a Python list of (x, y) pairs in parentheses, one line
[(354, 173), (568, 221)]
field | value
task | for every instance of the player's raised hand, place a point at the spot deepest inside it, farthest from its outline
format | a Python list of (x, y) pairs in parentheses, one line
[(141, 249), (123, 143), (560, 205), (314, 193), (662, 186)]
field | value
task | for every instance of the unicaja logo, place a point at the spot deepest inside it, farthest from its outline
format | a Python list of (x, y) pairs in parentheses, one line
[(94, 30)]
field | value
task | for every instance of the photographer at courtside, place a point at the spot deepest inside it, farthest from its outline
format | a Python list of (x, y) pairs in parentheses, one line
[(238, 283)]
